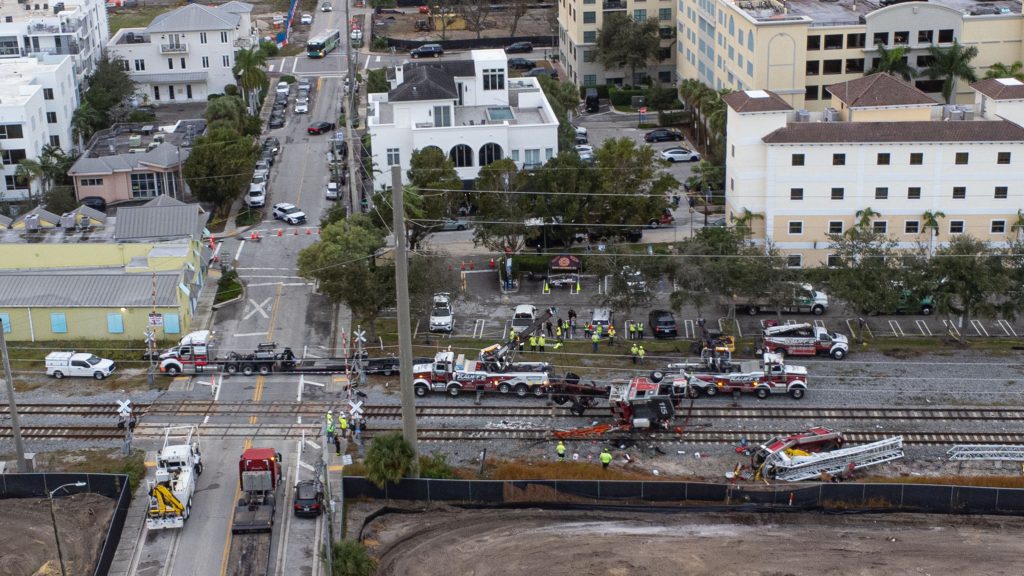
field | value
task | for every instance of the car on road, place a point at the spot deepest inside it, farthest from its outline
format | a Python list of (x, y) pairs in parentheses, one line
[(442, 319), (519, 48), (356, 34), (680, 154), (663, 324), (289, 213), (302, 107), (538, 72), (332, 191), (317, 128), (585, 152), (306, 19), (272, 144), (276, 120), (663, 135), (448, 224), (257, 196), (283, 88), (427, 50), (309, 499), (280, 97), (95, 202), (521, 64), (304, 85), (326, 7)]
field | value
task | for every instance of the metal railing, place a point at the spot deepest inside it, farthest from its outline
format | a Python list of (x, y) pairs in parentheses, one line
[(178, 48)]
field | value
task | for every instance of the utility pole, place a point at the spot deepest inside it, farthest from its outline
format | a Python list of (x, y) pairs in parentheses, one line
[(349, 90), (16, 425), (404, 324)]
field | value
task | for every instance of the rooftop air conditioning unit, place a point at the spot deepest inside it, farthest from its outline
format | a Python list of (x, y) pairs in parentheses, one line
[(32, 222), (67, 220), (831, 115), (803, 116)]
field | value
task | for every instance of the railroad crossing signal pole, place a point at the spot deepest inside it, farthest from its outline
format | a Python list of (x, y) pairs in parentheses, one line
[(404, 324), (19, 446)]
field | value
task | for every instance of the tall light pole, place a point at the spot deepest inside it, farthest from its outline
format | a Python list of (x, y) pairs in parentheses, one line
[(15, 424), (53, 517)]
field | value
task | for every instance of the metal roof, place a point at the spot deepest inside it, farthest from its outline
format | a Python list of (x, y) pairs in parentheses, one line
[(5, 221), (159, 222), (194, 18), (52, 289), (163, 156), (899, 132)]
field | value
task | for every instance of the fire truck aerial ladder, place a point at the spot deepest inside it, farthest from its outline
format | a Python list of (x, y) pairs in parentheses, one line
[(807, 455)]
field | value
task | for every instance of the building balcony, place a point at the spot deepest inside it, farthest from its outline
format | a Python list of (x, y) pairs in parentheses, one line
[(69, 50), (243, 43), (613, 5), (179, 48)]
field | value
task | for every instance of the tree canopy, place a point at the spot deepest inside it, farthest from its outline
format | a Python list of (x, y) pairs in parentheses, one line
[(109, 88), (219, 166), (625, 43)]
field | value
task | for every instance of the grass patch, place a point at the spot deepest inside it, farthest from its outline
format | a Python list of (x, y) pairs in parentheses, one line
[(228, 287), (524, 470), (981, 481), (97, 462), (31, 355), (139, 17), (249, 217)]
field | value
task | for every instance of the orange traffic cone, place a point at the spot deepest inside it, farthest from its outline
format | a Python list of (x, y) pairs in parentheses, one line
[(492, 262), (253, 236), (308, 231), (296, 232), (280, 231)]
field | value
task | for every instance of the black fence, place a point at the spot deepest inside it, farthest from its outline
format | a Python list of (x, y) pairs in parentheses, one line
[(470, 43), (110, 485), (848, 496)]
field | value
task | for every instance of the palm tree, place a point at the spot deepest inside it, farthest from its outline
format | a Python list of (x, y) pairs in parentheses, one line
[(1018, 226), (250, 70), (1000, 70), (743, 223), (389, 459), (931, 223), (865, 218), (32, 170), (893, 62), (951, 64), (84, 122)]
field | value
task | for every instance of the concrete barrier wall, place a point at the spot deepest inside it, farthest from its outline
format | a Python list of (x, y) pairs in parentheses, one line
[(850, 496)]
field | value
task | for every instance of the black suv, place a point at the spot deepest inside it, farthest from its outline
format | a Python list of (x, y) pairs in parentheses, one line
[(663, 324), (433, 50), (309, 499), (519, 48)]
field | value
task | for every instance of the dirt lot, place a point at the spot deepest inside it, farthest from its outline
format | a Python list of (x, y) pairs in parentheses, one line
[(529, 542), (28, 546)]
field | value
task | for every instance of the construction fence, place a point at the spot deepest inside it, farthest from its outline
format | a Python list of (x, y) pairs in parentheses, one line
[(823, 496), (114, 486)]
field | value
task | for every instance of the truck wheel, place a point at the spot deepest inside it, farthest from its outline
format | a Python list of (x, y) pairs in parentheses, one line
[(693, 392), (752, 310), (98, 375), (818, 310), (247, 370), (264, 369), (522, 390), (504, 388), (173, 370), (711, 390), (657, 376), (232, 368), (538, 391), (453, 390), (762, 392), (838, 354), (420, 390), (559, 399), (926, 311), (577, 409), (797, 393), (386, 372), (58, 375)]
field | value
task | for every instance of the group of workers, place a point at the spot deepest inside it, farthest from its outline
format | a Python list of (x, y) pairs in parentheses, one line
[(606, 455), (341, 428)]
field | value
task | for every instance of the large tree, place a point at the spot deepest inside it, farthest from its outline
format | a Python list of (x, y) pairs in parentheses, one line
[(229, 112), (434, 192), (219, 166), (109, 88), (865, 271), (951, 64), (250, 73), (475, 12), (500, 198), (625, 43), (893, 62)]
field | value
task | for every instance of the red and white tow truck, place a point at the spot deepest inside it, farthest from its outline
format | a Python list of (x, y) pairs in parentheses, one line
[(455, 375), (772, 377)]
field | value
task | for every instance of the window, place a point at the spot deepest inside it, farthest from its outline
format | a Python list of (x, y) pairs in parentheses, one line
[(590, 36), (912, 227), (916, 158), (170, 63), (664, 14), (945, 36), (145, 185), (798, 159), (123, 64), (839, 159), (590, 17), (1002, 192), (47, 93), (924, 36), (961, 158), (5, 318), (956, 226), (590, 79), (12, 157), (58, 323), (494, 79), (814, 42), (226, 61), (833, 42), (880, 226), (835, 227), (202, 37), (811, 93), (442, 116), (51, 117), (91, 182), (531, 157), (639, 15), (223, 37), (11, 131), (588, 55), (140, 65), (206, 61), (855, 40), (925, 60), (796, 193), (55, 140), (929, 86), (914, 193), (832, 67), (115, 323), (999, 226), (794, 261), (172, 324), (959, 192), (881, 193), (813, 67), (883, 159), (394, 158), (881, 38), (833, 260), (182, 63), (1003, 158), (837, 193), (796, 227), (854, 65), (901, 38)]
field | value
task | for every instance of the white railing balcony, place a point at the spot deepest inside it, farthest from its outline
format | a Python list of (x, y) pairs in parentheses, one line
[(179, 48)]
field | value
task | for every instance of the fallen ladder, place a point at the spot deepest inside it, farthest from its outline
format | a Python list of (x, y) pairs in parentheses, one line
[(795, 469), (986, 452)]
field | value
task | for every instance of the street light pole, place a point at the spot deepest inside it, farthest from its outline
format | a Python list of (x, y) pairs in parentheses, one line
[(19, 446), (53, 518)]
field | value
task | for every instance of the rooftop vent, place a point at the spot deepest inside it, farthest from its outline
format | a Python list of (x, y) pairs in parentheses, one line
[(67, 220), (32, 222)]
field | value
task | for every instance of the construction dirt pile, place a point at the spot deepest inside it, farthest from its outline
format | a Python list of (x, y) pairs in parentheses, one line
[(590, 543), (28, 547)]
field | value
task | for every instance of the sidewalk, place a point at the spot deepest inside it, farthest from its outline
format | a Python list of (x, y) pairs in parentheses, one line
[(134, 525)]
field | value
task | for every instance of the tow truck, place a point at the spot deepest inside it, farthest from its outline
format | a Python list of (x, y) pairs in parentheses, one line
[(455, 375), (259, 475), (803, 340), (179, 464), (773, 376)]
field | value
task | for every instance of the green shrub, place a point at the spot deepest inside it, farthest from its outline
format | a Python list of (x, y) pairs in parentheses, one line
[(350, 558), (212, 97), (228, 287), (672, 118), (377, 81), (379, 44), (623, 97), (436, 466), (288, 78), (137, 116), (388, 459), (661, 98), (269, 49), (249, 217), (231, 90)]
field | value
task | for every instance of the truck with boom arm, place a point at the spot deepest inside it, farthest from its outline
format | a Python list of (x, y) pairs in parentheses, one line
[(178, 465)]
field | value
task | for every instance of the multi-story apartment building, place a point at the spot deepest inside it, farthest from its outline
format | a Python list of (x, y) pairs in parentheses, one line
[(37, 100), (188, 53), (884, 145), (76, 28), (797, 48), (469, 109), (579, 22)]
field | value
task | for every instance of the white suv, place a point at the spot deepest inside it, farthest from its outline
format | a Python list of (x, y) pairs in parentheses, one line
[(332, 191), (442, 319), (289, 213), (257, 196)]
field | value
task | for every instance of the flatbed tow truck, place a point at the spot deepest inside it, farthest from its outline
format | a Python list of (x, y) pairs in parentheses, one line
[(259, 471)]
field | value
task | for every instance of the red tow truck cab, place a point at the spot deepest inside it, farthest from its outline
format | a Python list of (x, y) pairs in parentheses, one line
[(257, 460)]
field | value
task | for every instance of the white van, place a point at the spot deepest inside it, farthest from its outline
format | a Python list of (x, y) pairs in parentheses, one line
[(61, 364), (603, 318)]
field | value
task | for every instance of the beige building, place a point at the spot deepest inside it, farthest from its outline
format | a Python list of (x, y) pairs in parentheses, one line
[(797, 48), (887, 146), (579, 22)]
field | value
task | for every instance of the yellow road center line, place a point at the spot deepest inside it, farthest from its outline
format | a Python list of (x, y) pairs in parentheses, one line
[(227, 539), (257, 394)]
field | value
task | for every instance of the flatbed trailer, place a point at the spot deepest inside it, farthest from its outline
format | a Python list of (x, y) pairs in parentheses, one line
[(249, 554)]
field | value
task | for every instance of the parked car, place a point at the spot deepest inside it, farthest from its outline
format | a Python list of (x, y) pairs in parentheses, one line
[(289, 213), (262, 164), (309, 498), (283, 88), (519, 48), (663, 324), (302, 107), (326, 7), (356, 34), (680, 154), (448, 224), (427, 50), (663, 135), (318, 128), (538, 72), (272, 144), (306, 19), (276, 121), (280, 97), (441, 317), (267, 156), (257, 196), (581, 135), (332, 191), (95, 202), (61, 364), (634, 279), (305, 85), (521, 64), (585, 152)]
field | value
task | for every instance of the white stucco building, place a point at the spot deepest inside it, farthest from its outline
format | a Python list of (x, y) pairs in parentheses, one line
[(37, 100), (469, 109), (186, 54), (884, 145)]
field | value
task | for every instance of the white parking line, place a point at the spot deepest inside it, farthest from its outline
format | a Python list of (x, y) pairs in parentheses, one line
[(689, 332), (897, 330), (238, 253), (1006, 327), (951, 328), (478, 328), (248, 334), (923, 327), (819, 323), (979, 327)]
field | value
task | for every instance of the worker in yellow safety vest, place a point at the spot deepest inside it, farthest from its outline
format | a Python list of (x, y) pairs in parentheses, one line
[(560, 450), (343, 425), (606, 458), (611, 335), (633, 351), (541, 342), (330, 424), (640, 352), (533, 343)]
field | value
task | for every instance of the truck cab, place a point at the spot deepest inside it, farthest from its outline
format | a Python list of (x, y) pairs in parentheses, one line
[(193, 352), (523, 316)]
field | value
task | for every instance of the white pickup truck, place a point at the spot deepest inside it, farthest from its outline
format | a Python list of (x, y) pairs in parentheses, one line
[(61, 364)]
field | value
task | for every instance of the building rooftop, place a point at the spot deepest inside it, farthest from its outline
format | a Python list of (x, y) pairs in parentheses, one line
[(756, 101), (197, 18), (19, 76), (879, 90), (825, 13), (425, 83), (1001, 88), (924, 131), (125, 137), (104, 287), (485, 115), (160, 219)]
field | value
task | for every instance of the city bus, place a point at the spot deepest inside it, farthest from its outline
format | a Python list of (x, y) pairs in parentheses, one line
[(322, 44)]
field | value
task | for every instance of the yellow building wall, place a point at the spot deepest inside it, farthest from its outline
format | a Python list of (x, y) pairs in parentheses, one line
[(16, 256), (922, 114), (34, 325)]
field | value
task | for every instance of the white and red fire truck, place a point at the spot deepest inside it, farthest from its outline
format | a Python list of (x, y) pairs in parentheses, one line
[(772, 377), (456, 375)]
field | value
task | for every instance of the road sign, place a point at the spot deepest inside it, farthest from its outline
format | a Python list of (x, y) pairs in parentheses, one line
[(643, 109), (156, 319), (360, 335), (355, 408), (124, 408)]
